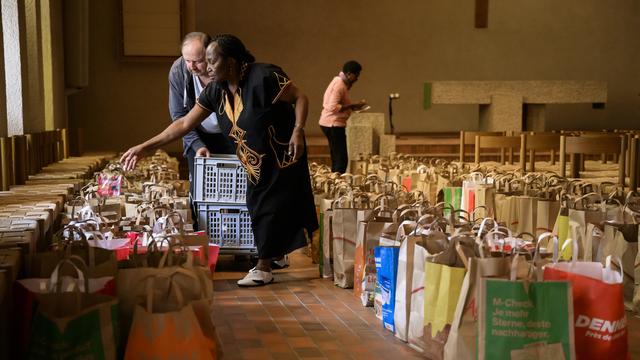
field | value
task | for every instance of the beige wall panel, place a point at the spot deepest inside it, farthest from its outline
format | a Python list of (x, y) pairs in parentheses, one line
[(57, 55), (401, 44), (404, 43), (126, 102), (151, 27), (151, 6), (152, 41), (35, 121), (76, 41)]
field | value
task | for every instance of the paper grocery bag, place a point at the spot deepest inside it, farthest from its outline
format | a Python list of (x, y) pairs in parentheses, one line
[(468, 200), (314, 245), (442, 287), (326, 239), (621, 241), (100, 262), (484, 197), (369, 233), (453, 197), (416, 298), (75, 325), (606, 337), (194, 281), (344, 230), (507, 211), (527, 215), (170, 327), (5, 305), (547, 212), (636, 287), (513, 315), (539, 351), (406, 261), (441, 183), (462, 340), (316, 251)]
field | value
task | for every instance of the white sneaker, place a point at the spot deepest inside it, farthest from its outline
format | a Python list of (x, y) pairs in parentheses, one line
[(256, 277), (280, 264)]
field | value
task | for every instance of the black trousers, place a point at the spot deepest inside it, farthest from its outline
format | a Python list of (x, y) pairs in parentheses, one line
[(338, 145), (217, 144)]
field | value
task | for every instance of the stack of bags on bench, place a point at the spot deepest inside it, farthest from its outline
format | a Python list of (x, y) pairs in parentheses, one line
[(104, 282), (29, 215)]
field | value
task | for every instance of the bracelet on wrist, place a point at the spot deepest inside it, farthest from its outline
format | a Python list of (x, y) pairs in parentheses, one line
[(298, 127)]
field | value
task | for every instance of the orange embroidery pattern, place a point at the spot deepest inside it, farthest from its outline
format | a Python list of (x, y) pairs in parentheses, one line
[(283, 84), (282, 154), (251, 160)]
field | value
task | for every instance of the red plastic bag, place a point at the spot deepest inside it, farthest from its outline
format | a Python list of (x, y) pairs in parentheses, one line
[(600, 322), (109, 185)]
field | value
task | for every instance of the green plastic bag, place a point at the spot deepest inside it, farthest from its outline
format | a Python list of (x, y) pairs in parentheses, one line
[(525, 321), (74, 325), (321, 242), (453, 197)]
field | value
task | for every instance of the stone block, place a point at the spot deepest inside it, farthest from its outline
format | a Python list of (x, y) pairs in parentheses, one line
[(535, 117), (533, 92), (387, 144), (501, 102), (359, 140), (375, 121), (504, 113)]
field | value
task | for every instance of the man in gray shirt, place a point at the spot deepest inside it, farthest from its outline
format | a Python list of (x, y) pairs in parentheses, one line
[(187, 78)]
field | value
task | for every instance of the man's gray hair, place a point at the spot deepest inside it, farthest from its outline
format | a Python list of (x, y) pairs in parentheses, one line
[(204, 38)]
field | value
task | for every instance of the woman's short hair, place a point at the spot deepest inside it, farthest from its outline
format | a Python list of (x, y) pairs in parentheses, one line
[(352, 66), (229, 46)]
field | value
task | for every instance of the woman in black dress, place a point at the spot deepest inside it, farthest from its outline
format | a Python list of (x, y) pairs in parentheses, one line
[(264, 113)]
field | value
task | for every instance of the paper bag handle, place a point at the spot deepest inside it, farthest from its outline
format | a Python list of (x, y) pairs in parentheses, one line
[(55, 285), (610, 261), (574, 249), (554, 246), (149, 287)]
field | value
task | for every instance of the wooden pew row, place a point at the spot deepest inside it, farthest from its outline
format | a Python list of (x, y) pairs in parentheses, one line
[(575, 146), (24, 155), (542, 149), (469, 138), (503, 143)]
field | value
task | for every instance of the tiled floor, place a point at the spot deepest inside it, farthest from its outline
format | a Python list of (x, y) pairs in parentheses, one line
[(304, 317)]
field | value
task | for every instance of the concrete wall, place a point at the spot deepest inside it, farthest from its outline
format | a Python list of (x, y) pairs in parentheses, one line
[(55, 111), (401, 44), (3, 94), (15, 67)]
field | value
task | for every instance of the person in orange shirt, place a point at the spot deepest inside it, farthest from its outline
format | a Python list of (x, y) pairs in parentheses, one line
[(336, 109)]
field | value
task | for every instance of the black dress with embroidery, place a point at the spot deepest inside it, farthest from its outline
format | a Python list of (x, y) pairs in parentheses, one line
[(279, 195)]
